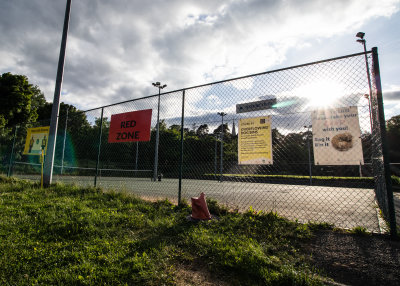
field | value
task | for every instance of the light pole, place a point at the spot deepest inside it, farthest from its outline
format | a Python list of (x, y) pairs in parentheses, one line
[(49, 160), (362, 41), (160, 87), (222, 114), (309, 152)]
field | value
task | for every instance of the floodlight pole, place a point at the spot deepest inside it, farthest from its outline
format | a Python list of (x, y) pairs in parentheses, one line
[(363, 42), (159, 86), (222, 114), (49, 162)]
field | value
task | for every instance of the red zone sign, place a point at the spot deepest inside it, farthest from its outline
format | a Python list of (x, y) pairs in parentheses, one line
[(130, 127)]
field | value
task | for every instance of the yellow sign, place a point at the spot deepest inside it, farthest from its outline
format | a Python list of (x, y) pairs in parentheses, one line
[(36, 140), (255, 144)]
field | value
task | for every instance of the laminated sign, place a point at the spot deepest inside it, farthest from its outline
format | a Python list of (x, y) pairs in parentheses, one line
[(36, 140), (336, 136), (130, 126), (255, 141)]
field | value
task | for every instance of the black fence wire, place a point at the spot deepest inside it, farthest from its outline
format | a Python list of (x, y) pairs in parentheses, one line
[(307, 142)]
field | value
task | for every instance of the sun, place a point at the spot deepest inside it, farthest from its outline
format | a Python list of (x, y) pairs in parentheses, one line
[(322, 93)]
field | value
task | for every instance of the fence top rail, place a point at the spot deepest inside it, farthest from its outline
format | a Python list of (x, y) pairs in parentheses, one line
[(232, 79)]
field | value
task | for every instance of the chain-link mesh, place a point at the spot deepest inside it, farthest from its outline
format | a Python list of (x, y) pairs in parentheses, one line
[(292, 184)]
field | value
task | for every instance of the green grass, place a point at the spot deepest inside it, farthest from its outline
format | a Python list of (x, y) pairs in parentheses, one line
[(360, 231), (84, 236)]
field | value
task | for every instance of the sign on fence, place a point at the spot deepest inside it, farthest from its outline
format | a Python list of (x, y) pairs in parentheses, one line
[(130, 126), (255, 145), (255, 106), (336, 136), (36, 140)]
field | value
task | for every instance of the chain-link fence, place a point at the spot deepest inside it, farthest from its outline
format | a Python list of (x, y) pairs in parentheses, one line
[(305, 142)]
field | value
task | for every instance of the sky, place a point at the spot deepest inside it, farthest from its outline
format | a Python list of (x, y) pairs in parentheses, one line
[(117, 49)]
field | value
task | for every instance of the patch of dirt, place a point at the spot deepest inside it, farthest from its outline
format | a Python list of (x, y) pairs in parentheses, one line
[(197, 274), (356, 260)]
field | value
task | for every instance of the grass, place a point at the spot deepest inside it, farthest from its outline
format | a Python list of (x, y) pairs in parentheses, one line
[(360, 231), (84, 236)]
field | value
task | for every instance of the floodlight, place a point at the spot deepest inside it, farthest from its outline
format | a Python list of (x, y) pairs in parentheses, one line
[(360, 35)]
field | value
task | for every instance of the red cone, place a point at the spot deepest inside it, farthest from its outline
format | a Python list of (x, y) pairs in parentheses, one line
[(199, 208)]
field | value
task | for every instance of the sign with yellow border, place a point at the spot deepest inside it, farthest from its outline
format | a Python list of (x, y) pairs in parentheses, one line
[(36, 140), (255, 144)]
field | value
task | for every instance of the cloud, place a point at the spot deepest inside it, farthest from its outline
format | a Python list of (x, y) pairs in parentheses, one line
[(393, 95), (116, 49)]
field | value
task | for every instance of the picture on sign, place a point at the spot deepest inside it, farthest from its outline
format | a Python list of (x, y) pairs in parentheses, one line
[(36, 140), (255, 144), (336, 136), (130, 126)]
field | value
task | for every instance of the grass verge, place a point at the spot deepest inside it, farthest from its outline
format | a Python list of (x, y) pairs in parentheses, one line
[(83, 236)]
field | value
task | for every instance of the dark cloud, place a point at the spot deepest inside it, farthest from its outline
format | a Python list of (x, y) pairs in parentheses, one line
[(391, 95)]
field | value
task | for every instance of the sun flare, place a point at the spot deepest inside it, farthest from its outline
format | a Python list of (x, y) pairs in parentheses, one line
[(323, 93)]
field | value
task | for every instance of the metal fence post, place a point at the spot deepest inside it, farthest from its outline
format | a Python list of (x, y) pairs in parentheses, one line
[(12, 153), (222, 114), (181, 155), (215, 156), (98, 151), (382, 127), (65, 136), (136, 157)]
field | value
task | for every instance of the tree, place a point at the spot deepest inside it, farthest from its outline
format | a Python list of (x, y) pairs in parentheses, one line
[(202, 130), (219, 128), (393, 138), (175, 127), (19, 100)]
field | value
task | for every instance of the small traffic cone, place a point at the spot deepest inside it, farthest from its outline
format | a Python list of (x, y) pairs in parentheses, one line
[(199, 208)]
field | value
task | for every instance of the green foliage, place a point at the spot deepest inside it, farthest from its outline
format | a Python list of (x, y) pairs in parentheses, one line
[(395, 180), (393, 137), (84, 236), (19, 100), (215, 208), (359, 230)]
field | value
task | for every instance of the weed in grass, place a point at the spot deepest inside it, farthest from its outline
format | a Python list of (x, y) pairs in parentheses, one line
[(359, 230), (319, 225), (215, 208)]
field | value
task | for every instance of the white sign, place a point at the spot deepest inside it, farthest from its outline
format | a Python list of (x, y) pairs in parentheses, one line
[(336, 136)]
